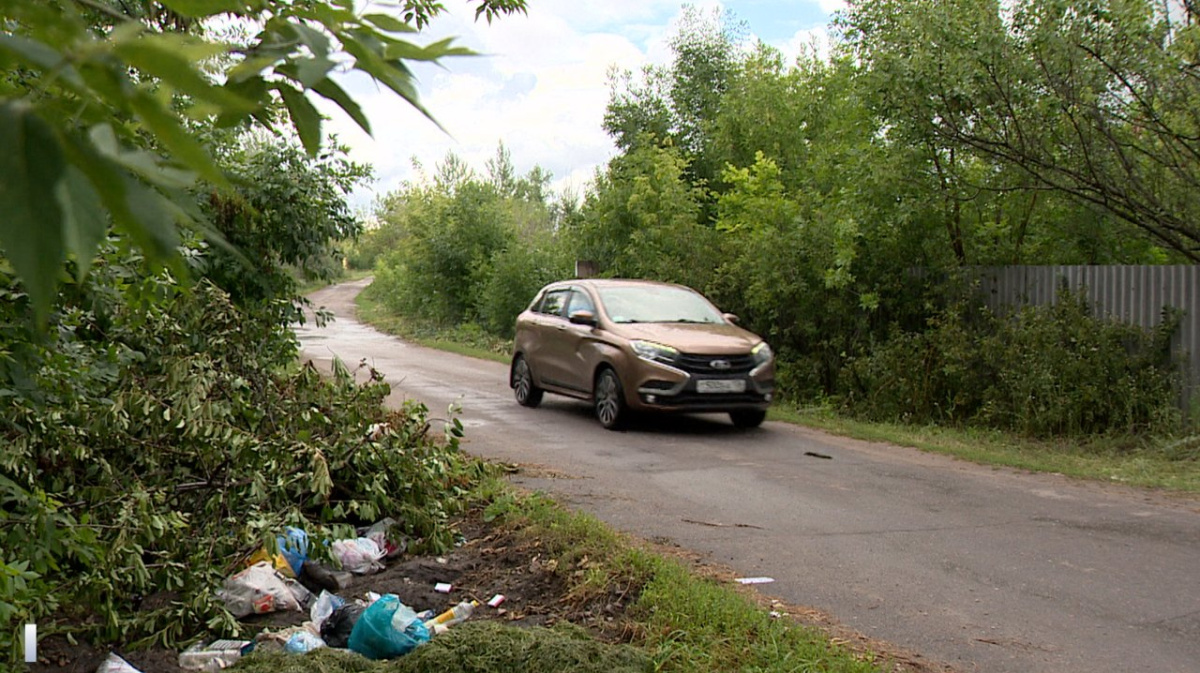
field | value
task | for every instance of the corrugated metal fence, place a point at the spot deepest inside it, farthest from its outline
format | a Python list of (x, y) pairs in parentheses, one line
[(1134, 294)]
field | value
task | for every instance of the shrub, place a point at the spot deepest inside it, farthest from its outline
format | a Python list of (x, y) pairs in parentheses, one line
[(1039, 370)]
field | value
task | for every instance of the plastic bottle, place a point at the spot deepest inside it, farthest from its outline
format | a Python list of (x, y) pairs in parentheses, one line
[(456, 614)]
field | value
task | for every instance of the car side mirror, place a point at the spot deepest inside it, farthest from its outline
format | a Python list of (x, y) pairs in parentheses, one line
[(730, 318), (582, 317)]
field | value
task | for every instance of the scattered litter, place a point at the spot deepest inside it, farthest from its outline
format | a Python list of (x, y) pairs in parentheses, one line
[(715, 524), (495, 601), (775, 614), (303, 641), (372, 597), (212, 657), (754, 580), (442, 560), (336, 630), (113, 663), (387, 629), (814, 454), (293, 551), (443, 588), (426, 615), (317, 576), (360, 556), (388, 536), (376, 431), (455, 615), (303, 596), (324, 606), (256, 590)]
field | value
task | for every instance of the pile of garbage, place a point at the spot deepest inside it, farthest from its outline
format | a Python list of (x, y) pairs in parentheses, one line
[(375, 626)]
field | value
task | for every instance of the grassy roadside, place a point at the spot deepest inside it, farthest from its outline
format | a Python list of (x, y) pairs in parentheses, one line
[(674, 618), (307, 286), (461, 340), (1171, 464), (684, 621)]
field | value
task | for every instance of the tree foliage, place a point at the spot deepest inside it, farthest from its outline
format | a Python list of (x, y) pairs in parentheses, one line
[(468, 248), (100, 101)]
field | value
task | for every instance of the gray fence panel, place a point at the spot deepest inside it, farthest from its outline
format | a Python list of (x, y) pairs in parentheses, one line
[(1134, 294)]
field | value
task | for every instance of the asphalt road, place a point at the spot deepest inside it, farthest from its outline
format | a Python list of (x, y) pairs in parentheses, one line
[(981, 568)]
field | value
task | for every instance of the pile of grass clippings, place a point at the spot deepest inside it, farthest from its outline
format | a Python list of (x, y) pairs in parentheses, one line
[(475, 647)]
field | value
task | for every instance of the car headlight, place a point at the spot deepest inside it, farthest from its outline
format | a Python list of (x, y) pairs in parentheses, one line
[(654, 351), (762, 353)]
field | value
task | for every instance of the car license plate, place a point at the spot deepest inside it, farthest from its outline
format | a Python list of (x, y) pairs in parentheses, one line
[(721, 386)]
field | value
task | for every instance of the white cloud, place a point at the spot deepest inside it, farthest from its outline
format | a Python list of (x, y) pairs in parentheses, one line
[(541, 87)]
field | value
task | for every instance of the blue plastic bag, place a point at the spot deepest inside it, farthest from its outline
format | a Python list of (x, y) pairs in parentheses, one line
[(387, 629), (293, 544)]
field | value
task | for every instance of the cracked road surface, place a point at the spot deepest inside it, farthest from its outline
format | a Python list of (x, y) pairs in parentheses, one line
[(984, 569)]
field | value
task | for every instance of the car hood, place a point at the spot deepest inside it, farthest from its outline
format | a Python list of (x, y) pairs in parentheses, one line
[(691, 338)]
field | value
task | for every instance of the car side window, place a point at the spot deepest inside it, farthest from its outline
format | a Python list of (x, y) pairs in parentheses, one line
[(580, 301), (554, 302)]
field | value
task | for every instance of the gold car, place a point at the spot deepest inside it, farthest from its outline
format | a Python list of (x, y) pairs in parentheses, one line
[(631, 345)]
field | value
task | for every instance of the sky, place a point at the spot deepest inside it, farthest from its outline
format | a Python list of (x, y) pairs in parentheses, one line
[(539, 85)]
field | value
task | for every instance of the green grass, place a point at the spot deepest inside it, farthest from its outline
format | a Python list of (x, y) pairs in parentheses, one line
[(1162, 463), (310, 286), (685, 622), (463, 340), (679, 621)]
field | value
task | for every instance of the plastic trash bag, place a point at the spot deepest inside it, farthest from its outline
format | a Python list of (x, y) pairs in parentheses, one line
[(302, 642), (387, 629), (324, 606), (336, 630), (359, 555), (257, 590), (293, 545), (113, 663)]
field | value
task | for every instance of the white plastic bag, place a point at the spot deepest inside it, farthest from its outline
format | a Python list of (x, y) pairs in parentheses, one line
[(325, 605), (113, 663), (256, 590), (360, 556)]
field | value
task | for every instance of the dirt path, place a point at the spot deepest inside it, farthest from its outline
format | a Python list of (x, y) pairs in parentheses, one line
[(986, 569)]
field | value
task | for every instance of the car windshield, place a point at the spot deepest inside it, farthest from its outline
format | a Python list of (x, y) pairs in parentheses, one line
[(649, 303)]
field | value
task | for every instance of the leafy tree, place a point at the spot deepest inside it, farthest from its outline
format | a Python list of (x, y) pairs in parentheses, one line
[(1094, 99), (99, 103)]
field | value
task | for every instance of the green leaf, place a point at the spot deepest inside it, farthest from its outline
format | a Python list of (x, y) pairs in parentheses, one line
[(202, 8), (309, 71), (31, 231), (144, 163), (389, 23), (41, 55), (170, 59), (304, 116), (84, 220), (182, 145), (330, 90)]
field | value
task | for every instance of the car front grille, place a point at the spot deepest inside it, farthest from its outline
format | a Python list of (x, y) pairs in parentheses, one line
[(703, 364)]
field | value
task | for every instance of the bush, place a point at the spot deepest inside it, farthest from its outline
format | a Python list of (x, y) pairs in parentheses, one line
[(159, 431), (1041, 370)]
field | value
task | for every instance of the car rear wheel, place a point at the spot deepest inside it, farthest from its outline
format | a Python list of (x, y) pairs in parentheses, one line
[(610, 400), (747, 419), (527, 394)]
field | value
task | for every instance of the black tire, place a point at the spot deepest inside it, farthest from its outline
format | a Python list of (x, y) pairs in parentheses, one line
[(747, 419), (609, 400), (524, 389)]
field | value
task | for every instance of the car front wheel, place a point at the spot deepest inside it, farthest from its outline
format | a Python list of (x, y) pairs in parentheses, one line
[(527, 394), (747, 419), (610, 400)]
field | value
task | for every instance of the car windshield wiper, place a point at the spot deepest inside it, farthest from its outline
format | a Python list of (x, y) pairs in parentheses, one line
[(689, 321)]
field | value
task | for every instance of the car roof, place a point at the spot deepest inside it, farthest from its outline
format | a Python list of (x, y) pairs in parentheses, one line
[(613, 282)]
